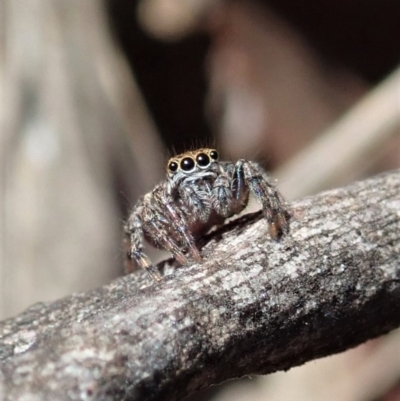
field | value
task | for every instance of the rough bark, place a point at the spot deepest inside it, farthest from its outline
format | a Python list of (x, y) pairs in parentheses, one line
[(253, 306)]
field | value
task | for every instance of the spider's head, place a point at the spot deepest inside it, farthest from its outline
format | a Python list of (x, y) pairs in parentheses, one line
[(197, 164)]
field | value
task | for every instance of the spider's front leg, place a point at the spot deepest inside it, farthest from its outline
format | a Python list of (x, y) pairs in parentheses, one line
[(153, 223), (250, 174), (180, 226), (150, 219)]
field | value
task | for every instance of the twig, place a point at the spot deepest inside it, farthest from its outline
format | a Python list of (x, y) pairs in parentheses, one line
[(253, 307), (348, 145)]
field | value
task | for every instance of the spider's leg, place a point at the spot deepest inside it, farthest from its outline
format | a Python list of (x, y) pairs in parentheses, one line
[(272, 202), (175, 218), (159, 229), (135, 255), (181, 226), (240, 189), (144, 262)]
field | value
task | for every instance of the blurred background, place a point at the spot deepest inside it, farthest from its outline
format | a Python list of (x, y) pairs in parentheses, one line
[(96, 94)]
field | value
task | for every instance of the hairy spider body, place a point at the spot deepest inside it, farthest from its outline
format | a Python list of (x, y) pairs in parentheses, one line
[(198, 193)]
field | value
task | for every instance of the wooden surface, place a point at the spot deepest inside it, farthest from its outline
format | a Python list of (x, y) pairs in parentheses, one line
[(252, 307)]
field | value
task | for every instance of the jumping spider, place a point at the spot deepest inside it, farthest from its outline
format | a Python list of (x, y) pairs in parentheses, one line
[(198, 193)]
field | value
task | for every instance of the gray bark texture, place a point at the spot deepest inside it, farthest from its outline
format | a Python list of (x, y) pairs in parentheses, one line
[(254, 306)]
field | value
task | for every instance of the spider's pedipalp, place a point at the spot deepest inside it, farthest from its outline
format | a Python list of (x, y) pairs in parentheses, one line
[(197, 201), (222, 195)]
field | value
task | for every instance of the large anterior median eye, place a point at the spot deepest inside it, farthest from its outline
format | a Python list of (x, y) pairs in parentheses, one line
[(187, 164), (173, 166), (214, 155), (202, 160)]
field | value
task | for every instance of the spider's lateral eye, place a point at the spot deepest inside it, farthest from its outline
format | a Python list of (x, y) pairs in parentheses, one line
[(187, 164), (214, 155), (173, 166), (202, 160)]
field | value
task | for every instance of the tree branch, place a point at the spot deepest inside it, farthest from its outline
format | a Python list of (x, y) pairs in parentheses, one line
[(253, 306)]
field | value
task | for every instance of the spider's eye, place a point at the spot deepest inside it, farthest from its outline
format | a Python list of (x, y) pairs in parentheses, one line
[(173, 166), (187, 164), (214, 155), (202, 160)]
